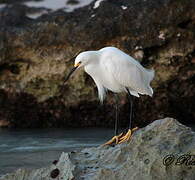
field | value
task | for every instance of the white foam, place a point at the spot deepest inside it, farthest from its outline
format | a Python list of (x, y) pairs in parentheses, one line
[(52, 5), (124, 7), (161, 35), (49, 4), (57, 4), (82, 3), (3, 145), (2, 6), (97, 4), (36, 15)]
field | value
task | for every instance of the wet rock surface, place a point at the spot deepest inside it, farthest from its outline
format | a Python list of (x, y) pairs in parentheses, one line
[(159, 151), (34, 56)]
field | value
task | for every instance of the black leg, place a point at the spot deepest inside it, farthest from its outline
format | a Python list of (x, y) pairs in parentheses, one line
[(116, 115), (131, 106)]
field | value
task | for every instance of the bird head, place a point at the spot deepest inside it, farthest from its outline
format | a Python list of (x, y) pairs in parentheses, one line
[(81, 60)]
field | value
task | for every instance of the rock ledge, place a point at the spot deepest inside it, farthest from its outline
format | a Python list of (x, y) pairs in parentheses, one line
[(164, 141)]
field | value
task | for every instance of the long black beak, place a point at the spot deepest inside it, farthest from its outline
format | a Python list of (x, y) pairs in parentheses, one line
[(70, 73)]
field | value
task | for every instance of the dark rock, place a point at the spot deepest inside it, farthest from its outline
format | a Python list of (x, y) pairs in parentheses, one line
[(55, 162), (72, 2), (55, 173), (14, 16), (162, 29)]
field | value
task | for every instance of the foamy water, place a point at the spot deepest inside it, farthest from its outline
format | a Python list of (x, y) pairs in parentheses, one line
[(57, 4), (51, 5), (2, 5)]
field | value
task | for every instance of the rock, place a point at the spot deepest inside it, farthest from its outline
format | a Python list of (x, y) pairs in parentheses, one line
[(64, 166), (34, 58), (14, 16), (73, 2), (159, 151), (4, 123)]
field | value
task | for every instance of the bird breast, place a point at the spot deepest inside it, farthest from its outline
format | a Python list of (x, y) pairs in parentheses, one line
[(103, 78)]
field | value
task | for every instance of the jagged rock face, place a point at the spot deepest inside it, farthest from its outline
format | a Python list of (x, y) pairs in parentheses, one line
[(34, 54), (159, 151)]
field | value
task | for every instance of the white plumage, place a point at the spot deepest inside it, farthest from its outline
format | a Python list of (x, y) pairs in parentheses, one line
[(114, 70)]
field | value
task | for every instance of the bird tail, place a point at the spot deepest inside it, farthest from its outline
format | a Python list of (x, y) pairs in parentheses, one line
[(101, 93), (150, 77), (150, 73)]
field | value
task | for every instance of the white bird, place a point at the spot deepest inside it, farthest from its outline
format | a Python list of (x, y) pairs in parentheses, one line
[(114, 70)]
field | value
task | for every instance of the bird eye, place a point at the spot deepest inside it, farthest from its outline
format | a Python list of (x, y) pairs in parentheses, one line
[(78, 64)]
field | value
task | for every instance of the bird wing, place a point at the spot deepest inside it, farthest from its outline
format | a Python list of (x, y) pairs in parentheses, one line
[(128, 72)]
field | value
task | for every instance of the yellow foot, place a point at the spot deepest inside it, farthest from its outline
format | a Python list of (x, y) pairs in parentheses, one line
[(127, 136), (121, 137), (115, 140)]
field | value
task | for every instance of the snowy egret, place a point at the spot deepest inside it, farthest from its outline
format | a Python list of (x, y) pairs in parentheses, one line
[(114, 70)]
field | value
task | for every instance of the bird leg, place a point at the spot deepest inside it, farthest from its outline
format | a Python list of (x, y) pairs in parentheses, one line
[(131, 107), (129, 133), (116, 115), (115, 139), (127, 136), (122, 137)]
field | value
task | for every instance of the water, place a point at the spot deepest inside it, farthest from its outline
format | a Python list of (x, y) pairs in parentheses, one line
[(46, 6), (57, 4), (38, 148)]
